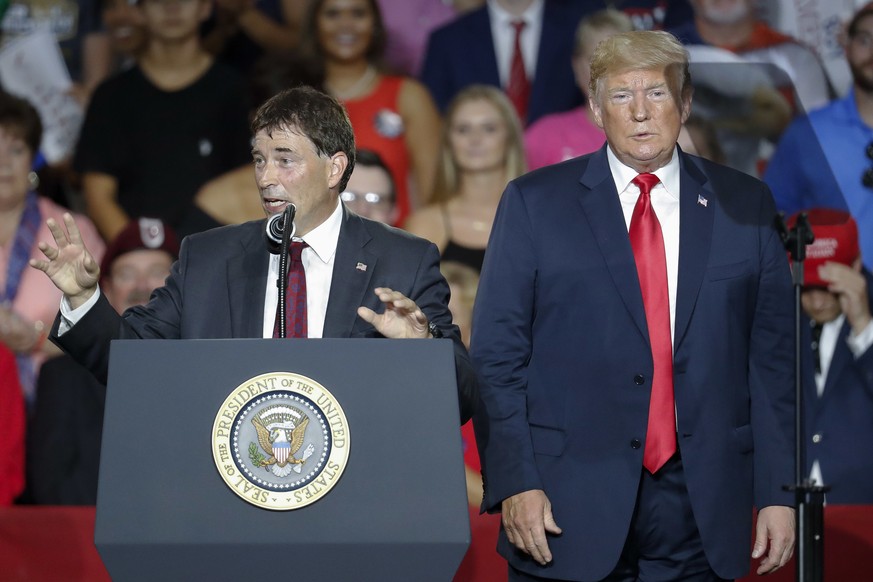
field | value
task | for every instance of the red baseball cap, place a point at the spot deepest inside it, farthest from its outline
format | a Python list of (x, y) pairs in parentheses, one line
[(141, 234), (836, 240)]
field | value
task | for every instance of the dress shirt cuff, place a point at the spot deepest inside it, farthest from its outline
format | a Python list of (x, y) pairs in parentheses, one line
[(70, 316), (860, 343)]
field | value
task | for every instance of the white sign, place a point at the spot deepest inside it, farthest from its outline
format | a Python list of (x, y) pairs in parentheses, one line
[(32, 67)]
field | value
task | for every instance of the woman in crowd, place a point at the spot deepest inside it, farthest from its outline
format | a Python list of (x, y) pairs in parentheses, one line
[(481, 151), (392, 115), (28, 299)]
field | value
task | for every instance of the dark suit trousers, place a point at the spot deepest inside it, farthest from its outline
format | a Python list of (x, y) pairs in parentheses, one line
[(663, 544)]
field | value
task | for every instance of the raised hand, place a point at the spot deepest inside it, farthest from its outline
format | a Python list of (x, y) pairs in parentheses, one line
[(851, 288), (70, 266), (401, 319)]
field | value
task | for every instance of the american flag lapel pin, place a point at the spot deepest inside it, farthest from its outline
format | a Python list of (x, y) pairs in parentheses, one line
[(361, 267), (702, 201)]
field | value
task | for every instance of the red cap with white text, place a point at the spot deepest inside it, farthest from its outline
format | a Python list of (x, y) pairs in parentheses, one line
[(836, 240)]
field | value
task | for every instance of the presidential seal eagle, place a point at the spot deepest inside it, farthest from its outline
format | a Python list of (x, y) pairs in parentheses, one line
[(280, 433)]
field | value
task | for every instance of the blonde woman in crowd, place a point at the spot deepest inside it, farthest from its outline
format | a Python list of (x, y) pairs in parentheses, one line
[(482, 150), (392, 115)]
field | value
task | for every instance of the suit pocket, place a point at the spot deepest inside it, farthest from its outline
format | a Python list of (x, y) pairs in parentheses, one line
[(547, 440), (730, 271), (742, 439)]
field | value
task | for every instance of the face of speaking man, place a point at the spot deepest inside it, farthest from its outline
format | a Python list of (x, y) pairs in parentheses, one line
[(288, 168), (641, 114)]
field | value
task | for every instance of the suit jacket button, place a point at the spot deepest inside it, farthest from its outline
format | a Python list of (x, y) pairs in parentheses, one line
[(639, 379), (816, 438), (635, 443)]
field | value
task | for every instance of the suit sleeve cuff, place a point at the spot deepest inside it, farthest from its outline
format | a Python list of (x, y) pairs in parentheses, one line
[(70, 316), (860, 343)]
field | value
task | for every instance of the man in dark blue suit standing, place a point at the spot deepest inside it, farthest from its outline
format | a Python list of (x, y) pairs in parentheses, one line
[(633, 335), (480, 47)]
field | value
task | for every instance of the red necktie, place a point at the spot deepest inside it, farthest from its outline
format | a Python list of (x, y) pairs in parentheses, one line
[(518, 88), (295, 298), (648, 247)]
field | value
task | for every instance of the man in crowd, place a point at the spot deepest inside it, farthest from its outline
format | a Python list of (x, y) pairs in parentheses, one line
[(838, 367), (632, 333), (67, 427), (370, 191), (224, 282), (523, 46), (824, 160), (155, 133)]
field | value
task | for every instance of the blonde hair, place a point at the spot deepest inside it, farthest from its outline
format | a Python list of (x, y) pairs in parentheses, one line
[(642, 50), (447, 177), (606, 19)]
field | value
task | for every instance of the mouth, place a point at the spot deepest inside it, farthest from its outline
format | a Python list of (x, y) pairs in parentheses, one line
[(274, 205)]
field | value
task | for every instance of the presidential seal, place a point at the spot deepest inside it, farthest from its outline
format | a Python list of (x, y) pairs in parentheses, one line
[(280, 441)]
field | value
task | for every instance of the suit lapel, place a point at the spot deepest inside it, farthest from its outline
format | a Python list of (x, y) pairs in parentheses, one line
[(481, 48), (246, 280), (352, 270), (696, 210), (548, 54), (602, 208)]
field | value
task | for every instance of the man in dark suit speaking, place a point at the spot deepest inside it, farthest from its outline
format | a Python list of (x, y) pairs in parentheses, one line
[(633, 335), (353, 277)]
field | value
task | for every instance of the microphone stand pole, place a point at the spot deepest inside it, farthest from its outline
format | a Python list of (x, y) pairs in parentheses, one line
[(282, 281), (808, 496)]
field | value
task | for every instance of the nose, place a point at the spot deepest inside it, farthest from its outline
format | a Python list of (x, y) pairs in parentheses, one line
[(265, 176), (639, 107)]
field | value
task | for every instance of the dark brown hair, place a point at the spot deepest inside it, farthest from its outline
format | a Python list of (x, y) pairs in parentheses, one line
[(317, 116)]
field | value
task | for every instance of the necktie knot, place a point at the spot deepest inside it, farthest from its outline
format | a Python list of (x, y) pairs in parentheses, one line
[(518, 25), (296, 251), (645, 182)]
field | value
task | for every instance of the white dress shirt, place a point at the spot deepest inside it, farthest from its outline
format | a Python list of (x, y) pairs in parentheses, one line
[(665, 203), (318, 260), (503, 33)]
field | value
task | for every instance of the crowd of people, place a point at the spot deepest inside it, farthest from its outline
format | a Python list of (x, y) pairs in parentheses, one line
[(474, 124)]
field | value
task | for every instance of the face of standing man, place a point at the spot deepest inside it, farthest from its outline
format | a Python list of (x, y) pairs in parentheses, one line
[(640, 96)]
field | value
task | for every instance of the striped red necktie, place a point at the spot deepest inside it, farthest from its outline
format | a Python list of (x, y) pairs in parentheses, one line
[(295, 298)]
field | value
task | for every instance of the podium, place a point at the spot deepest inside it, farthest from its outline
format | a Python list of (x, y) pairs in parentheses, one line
[(397, 512)]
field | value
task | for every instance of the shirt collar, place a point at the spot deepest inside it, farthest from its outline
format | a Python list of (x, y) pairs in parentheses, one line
[(323, 238), (622, 175), (502, 17)]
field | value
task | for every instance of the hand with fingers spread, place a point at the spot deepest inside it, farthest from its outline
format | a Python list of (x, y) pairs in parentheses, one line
[(69, 265), (774, 537), (527, 518), (401, 319)]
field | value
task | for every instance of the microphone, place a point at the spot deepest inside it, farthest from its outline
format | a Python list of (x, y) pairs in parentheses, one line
[(275, 230)]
